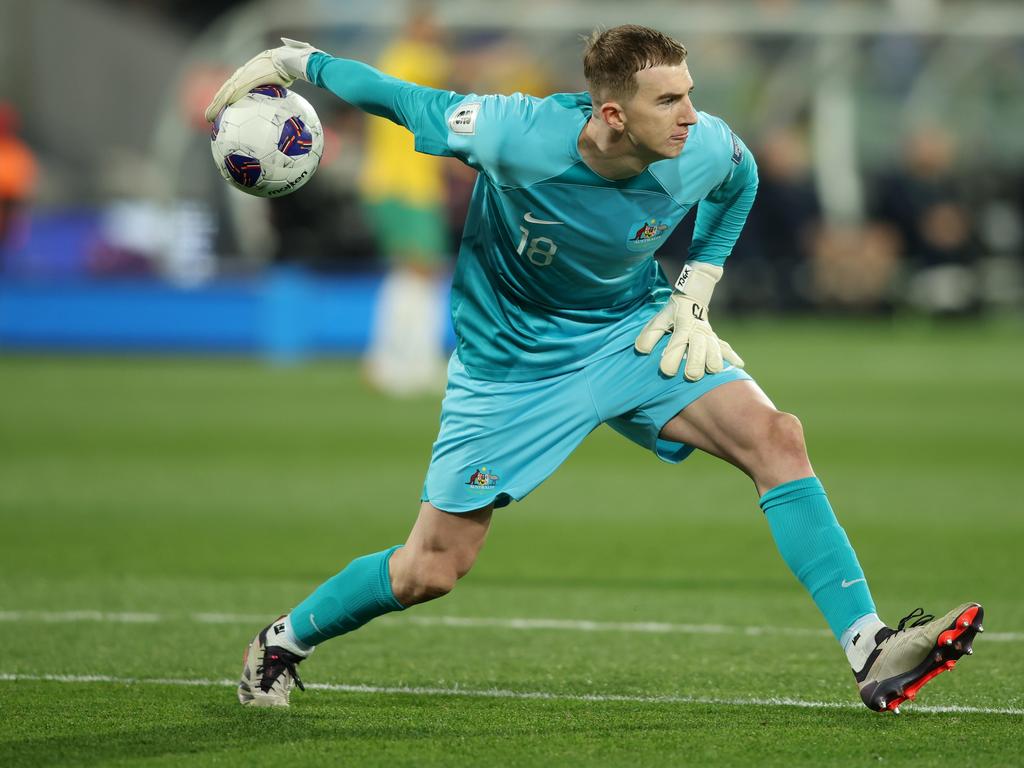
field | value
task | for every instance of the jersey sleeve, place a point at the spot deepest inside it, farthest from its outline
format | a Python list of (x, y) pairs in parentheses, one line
[(421, 110), (479, 126), (723, 212), (469, 127)]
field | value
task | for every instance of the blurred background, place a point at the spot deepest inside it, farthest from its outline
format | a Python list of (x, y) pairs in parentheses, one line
[(887, 134)]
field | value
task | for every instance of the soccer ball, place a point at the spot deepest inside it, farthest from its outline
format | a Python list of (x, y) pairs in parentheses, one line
[(268, 143)]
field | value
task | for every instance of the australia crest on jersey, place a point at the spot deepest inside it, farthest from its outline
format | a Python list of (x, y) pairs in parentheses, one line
[(482, 478), (645, 235)]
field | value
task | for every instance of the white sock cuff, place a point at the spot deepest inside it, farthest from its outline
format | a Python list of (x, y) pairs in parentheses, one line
[(290, 641), (859, 640), (864, 623)]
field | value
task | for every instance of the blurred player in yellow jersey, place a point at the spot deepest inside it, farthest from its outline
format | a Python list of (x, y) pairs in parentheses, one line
[(404, 192)]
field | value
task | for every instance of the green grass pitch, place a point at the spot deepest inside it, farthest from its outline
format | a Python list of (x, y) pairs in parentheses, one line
[(155, 512)]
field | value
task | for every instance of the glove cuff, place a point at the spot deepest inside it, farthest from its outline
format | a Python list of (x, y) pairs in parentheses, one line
[(293, 57), (697, 281)]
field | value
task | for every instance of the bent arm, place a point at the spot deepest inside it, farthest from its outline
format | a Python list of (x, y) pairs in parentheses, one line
[(722, 214)]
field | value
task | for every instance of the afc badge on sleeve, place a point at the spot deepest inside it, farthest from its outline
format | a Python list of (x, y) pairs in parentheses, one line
[(463, 119), (737, 150)]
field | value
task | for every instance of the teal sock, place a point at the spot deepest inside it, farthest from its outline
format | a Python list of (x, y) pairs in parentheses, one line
[(362, 591), (817, 550)]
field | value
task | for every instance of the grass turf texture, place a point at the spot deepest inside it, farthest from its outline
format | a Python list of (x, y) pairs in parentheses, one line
[(185, 486)]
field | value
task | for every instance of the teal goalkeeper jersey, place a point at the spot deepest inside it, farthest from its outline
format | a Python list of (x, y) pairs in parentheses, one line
[(556, 268)]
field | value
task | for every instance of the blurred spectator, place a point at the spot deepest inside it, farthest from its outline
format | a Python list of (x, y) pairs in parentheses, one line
[(404, 193), (17, 180), (999, 206), (855, 267), (924, 205)]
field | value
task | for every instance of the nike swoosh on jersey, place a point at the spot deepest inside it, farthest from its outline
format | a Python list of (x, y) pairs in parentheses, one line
[(851, 583), (531, 220)]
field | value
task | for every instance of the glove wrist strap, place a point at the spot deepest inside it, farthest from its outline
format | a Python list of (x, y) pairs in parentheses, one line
[(697, 281), (293, 58)]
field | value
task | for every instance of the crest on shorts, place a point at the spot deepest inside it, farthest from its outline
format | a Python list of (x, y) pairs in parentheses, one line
[(482, 478)]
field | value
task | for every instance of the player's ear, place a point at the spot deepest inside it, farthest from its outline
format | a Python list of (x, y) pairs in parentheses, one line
[(611, 112)]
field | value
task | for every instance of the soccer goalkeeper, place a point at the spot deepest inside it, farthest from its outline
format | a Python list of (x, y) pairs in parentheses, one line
[(565, 321)]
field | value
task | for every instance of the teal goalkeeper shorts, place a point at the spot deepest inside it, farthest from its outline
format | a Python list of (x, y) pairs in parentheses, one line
[(500, 440)]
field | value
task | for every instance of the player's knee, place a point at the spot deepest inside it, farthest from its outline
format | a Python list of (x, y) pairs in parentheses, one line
[(421, 585), (428, 576), (785, 439), (434, 584), (463, 561)]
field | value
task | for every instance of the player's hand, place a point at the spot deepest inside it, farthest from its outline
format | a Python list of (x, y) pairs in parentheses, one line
[(277, 66), (685, 316)]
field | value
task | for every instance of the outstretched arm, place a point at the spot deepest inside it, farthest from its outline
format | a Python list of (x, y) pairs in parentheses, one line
[(416, 107)]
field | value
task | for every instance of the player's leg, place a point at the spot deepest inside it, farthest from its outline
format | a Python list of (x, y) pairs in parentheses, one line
[(737, 422), (441, 549), (497, 442)]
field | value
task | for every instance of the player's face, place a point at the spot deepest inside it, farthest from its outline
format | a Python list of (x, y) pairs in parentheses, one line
[(658, 117)]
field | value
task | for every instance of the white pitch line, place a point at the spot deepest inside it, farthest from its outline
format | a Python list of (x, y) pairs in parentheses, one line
[(68, 617), (500, 693), (641, 627), (571, 625)]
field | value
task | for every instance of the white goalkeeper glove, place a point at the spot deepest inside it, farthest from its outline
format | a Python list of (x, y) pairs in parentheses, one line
[(685, 316), (277, 66)]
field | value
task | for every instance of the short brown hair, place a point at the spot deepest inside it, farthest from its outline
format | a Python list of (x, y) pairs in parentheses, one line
[(614, 56)]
